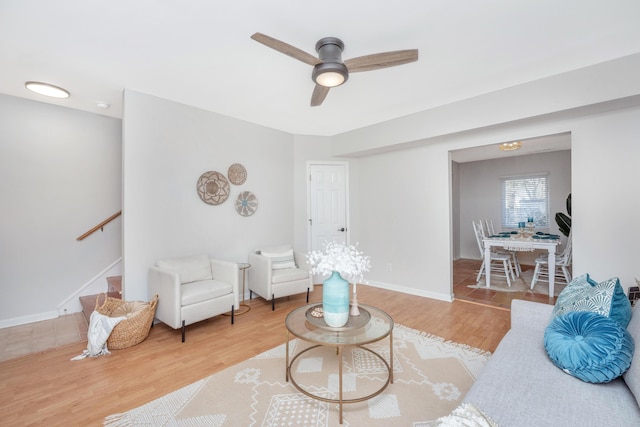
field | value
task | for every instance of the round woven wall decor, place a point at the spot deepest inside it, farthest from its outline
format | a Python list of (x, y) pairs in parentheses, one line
[(213, 188), (246, 203), (237, 174)]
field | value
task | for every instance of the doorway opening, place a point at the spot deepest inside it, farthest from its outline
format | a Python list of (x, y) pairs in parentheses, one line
[(476, 194)]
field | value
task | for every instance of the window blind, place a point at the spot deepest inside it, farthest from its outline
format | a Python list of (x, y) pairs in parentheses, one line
[(525, 197)]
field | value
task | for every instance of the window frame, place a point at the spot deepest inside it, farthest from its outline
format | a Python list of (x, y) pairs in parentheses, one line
[(510, 219)]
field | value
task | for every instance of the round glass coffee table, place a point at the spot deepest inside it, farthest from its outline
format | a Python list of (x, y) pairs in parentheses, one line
[(306, 324)]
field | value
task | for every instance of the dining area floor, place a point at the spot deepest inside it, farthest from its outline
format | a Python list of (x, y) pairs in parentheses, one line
[(465, 272)]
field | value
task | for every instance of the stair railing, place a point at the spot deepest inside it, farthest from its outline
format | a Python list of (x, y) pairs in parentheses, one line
[(99, 226)]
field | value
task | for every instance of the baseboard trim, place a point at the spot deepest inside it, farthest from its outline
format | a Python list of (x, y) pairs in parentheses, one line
[(23, 320), (412, 291)]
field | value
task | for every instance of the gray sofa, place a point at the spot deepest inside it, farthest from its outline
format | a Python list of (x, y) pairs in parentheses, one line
[(520, 386)]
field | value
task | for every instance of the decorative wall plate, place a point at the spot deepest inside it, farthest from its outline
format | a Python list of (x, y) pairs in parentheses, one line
[(213, 188), (246, 203), (237, 174)]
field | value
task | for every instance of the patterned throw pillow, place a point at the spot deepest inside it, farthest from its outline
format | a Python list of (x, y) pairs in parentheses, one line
[(589, 346), (281, 260), (606, 298)]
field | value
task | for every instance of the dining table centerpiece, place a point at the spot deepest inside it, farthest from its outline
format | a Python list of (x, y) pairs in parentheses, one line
[(342, 263)]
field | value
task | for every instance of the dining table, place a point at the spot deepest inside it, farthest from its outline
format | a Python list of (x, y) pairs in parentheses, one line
[(519, 241)]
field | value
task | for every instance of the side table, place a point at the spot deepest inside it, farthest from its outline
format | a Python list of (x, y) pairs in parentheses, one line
[(244, 308), (243, 266)]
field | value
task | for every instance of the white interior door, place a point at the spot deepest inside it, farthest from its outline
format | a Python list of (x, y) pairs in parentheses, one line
[(328, 203)]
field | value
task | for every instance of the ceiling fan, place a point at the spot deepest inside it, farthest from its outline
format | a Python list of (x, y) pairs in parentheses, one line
[(328, 68)]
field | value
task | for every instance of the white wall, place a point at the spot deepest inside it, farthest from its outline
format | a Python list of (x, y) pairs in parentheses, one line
[(401, 225), (400, 200), (455, 209), (605, 201), (400, 184), (567, 93), (166, 147), (407, 202), (480, 192), (60, 175)]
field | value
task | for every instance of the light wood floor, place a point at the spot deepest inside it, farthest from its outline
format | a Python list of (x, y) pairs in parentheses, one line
[(48, 389), (465, 272), (44, 335)]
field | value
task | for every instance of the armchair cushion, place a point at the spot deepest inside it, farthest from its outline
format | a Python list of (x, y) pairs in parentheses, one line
[(288, 275), (281, 260), (189, 268), (204, 290)]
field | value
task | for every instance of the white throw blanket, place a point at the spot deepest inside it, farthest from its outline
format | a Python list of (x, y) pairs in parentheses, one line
[(100, 327), (465, 415)]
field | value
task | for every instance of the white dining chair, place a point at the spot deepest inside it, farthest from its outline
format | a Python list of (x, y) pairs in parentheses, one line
[(497, 259), (489, 228), (515, 262), (563, 263)]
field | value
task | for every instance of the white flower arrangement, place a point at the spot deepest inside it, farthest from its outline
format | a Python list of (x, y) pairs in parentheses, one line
[(345, 259)]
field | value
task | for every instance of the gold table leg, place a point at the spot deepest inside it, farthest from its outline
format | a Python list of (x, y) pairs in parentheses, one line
[(340, 383), (242, 304), (286, 367), (244, 308)]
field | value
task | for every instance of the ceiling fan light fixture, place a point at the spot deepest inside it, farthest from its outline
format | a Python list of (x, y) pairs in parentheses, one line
[(47, 89), (329, 70), (329, 74), (510, 146)]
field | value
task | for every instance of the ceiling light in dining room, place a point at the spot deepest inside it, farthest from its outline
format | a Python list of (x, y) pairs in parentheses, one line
[(47, 89), (510, 146)]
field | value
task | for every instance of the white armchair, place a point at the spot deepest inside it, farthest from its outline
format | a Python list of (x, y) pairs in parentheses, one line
[(194, 288), (277, 272)]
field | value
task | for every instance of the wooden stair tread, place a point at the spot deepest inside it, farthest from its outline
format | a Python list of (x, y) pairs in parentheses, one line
[(114, 290)]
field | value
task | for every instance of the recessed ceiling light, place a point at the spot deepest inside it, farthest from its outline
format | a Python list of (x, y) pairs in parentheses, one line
[(103, 105), (510, 146), (47, 89)]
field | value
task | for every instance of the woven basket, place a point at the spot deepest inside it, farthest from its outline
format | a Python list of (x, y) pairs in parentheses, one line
[(131, 331)]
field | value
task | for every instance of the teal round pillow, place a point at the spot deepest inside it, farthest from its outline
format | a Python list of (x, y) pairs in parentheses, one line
[(589, 346)]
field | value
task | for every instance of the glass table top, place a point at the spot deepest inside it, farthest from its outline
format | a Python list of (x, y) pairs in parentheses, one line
[(378, 327)]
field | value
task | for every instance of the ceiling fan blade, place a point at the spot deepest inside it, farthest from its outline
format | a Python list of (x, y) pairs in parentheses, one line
[(287, 49), (377, 61), (318, 95)]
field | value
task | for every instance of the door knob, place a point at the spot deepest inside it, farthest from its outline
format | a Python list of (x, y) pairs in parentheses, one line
[(342, 229)]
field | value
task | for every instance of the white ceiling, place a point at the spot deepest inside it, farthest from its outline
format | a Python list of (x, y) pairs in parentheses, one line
[(543, 144), (199, 52)]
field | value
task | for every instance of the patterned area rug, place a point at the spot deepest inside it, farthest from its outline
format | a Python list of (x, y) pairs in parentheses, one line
[(431, 376), (520, 284)]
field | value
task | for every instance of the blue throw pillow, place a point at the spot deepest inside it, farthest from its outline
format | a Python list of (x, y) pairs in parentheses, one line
[(606, 298), (589, 346)]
